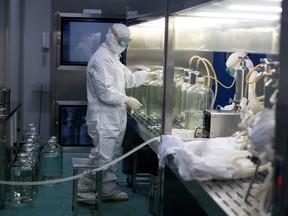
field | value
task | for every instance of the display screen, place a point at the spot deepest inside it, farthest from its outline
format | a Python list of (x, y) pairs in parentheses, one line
[(80, 38)]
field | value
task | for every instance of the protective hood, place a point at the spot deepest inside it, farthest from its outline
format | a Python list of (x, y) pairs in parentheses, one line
[(233, 61), (112, 42)]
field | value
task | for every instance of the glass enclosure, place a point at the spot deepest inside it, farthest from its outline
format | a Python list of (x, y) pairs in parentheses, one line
[(146, 52), (203, 38), (228, 26), (200, 40)]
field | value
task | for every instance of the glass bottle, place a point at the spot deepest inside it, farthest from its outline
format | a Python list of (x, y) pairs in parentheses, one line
[(60, 149), (140, 93), (22, 171), (198, 99), (177, 98), (185, 85), (32, 133), (155, 96), (33, 155), (51, 161)]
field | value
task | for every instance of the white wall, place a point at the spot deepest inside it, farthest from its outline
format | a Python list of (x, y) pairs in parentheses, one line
[(14, 52), (37, 19)]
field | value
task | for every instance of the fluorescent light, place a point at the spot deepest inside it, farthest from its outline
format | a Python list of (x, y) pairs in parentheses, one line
[(201, 22), (239, 16), (255, 8)]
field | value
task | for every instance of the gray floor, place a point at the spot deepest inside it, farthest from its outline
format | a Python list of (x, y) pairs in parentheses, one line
[(56, 200)]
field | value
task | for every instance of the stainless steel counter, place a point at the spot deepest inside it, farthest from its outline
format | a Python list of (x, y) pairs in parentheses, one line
[(217, 197)]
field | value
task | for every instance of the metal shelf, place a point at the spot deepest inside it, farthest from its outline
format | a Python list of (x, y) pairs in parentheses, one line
[(230, 195)]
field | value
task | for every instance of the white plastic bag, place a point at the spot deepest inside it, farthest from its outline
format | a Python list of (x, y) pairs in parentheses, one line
[(169, 144), (218, 158)]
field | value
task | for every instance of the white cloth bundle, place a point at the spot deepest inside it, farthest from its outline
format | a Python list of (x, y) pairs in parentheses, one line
[(205, 159)]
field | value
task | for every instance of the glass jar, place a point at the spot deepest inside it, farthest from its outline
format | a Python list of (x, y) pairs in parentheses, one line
[(198, 99), (22, 171), (51, 161), (155, 96), (32, 133)]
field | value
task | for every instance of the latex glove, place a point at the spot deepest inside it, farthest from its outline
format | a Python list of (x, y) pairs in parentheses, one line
[(132, 103)]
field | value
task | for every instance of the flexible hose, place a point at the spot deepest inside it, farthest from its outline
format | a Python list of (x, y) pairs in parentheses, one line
[(216, 81), (247, 78), (248, 169), (205, 62), (85, 172), (242, 139), (192, 58), (224, 86), (207, 70)]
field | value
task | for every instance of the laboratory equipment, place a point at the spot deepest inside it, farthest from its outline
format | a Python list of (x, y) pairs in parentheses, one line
[(220, 123), (240, 74)]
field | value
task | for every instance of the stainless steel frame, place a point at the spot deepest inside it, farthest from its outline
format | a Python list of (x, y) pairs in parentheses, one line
[(68, 82), (280, 190)]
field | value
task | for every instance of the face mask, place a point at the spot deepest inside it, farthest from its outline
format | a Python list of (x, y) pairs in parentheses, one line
[(231, 71), (123, 41)]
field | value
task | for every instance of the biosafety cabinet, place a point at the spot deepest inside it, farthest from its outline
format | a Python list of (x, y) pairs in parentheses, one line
[(197, 38)]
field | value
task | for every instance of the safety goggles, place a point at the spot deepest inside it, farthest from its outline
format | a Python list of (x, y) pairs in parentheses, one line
[(123, 41)]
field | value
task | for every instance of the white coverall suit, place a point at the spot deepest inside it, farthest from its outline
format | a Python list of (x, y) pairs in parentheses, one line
[(106, 116)]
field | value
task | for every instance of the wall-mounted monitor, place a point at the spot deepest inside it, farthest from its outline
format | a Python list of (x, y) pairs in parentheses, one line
[(79, 36)]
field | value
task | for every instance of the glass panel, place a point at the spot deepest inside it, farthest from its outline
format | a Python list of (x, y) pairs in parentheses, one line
[(73, 127), (146, 53), (251, 26), (203, 38)]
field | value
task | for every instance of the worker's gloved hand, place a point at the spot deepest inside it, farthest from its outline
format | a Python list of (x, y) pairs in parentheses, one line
[(132, 103)]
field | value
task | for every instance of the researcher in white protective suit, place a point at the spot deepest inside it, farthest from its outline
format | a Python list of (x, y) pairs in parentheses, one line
[(106, 116)]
